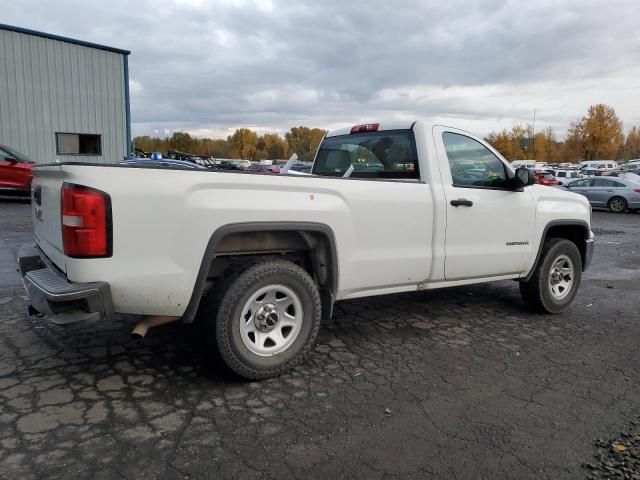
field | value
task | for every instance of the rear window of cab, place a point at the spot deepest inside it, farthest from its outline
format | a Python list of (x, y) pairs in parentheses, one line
[(387, 154)]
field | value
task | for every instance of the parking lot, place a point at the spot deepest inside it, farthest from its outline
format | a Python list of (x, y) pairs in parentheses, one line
[(462, 383)]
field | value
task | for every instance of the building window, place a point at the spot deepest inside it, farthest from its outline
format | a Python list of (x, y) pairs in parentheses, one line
[(78, 144)]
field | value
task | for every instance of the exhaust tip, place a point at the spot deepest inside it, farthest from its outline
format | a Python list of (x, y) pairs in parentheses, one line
[(146, 323), (139, 332)]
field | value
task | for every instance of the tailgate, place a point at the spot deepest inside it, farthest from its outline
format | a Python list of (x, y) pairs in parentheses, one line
[(45, 208)]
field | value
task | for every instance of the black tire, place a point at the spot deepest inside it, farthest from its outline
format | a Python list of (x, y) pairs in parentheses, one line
[(222, 324), (537, 292), (617, 205)]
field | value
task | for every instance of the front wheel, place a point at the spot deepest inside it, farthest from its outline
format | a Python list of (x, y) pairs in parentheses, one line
[(556, 279), (617, 205), (267, 319)]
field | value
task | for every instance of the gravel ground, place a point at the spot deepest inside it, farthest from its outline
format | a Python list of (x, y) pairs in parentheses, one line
[(462, 383)]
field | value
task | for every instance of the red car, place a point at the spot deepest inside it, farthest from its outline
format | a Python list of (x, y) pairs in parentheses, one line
[(15, 173), (265, 169), (546, 179)]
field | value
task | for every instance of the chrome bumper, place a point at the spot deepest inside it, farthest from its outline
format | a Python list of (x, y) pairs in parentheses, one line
[(52, 295)]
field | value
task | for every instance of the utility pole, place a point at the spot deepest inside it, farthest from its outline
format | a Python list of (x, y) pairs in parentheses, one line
[(533, 142)]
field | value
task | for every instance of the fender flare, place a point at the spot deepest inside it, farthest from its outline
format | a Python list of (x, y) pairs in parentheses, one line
[(547, 227), (246, 227)]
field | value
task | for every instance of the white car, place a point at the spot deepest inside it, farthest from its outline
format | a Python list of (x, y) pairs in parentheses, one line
[(389, 207), (566, 175), (599, 165)]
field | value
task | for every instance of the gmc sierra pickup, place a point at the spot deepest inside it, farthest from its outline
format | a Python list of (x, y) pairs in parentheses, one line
[(389, 207)]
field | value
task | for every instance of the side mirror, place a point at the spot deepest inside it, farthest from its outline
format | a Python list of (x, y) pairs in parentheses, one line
[(524, 177), (11, 159)]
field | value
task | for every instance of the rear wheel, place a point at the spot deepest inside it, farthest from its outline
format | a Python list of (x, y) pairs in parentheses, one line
[(556, 279), (617, 204), (267, 319)]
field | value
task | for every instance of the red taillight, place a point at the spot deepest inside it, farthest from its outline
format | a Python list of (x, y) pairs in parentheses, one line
[(636, 190), (85, 222), (367, 127)]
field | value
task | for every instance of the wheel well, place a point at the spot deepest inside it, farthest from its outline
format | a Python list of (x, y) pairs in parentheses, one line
[(310, 249), (574, 233), (617, 196), (234, 247)]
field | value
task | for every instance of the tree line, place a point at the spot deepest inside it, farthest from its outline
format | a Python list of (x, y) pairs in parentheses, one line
[(242, 144), (598, 135)]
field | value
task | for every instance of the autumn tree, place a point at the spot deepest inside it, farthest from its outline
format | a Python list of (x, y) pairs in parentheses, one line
[(181, 141), (275, 146), (512, 144), (545, 146), (304, 141), (244, 143), (595, 136), (631, 148), (149, 144)]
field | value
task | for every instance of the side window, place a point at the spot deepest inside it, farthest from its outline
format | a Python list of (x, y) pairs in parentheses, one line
[(603, 182), (561, 174), (472, 164), (581, 183)]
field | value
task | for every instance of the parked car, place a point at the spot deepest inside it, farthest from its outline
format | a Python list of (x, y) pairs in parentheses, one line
[(302, 167), (265, 169), (566, 175), (15, 173), (162, 163), (275, 252), (546, 179), (630, 167), (599, 164), (616, 194)]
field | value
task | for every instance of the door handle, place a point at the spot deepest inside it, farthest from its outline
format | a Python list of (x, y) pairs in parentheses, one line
[(461, 202)]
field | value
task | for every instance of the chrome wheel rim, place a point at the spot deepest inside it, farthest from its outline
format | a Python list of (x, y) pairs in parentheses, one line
[(617, 205), (561, 277), (271, 320)]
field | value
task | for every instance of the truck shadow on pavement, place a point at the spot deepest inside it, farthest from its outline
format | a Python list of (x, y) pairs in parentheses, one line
[(445, 317)]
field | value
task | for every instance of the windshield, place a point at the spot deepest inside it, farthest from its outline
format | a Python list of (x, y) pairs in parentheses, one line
[(15, 154), (387, 154)]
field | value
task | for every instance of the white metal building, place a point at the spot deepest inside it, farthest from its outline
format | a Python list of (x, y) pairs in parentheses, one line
[(61, 99)]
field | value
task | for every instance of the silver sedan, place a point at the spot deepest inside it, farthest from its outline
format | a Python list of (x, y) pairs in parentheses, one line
[(616, 194)]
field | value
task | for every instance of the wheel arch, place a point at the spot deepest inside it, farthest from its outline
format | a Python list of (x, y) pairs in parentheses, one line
[(621, 197), (261, 238), (576, 231)]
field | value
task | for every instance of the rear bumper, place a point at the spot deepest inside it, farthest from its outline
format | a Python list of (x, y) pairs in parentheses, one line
[(52, 295), (588, 253)]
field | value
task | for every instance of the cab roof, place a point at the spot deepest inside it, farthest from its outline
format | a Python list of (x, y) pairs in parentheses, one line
[(406, 125)]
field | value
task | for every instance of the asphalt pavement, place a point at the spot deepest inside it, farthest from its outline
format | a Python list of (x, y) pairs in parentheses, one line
[(459, 383)]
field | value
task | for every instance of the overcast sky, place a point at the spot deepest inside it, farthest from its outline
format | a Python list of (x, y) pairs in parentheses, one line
[(211, 67)]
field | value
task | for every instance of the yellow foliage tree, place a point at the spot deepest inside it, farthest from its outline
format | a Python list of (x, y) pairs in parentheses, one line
[(596, 136), (631, 149)]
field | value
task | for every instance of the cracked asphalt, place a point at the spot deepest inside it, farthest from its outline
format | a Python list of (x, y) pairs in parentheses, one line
[(462, 383)]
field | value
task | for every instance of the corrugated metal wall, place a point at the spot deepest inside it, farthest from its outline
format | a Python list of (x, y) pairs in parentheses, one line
[(49, 86)]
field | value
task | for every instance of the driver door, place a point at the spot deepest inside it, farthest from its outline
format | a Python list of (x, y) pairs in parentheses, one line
[(489, 226)]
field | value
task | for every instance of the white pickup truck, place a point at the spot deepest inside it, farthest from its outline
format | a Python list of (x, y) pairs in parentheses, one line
[(389, 207)]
